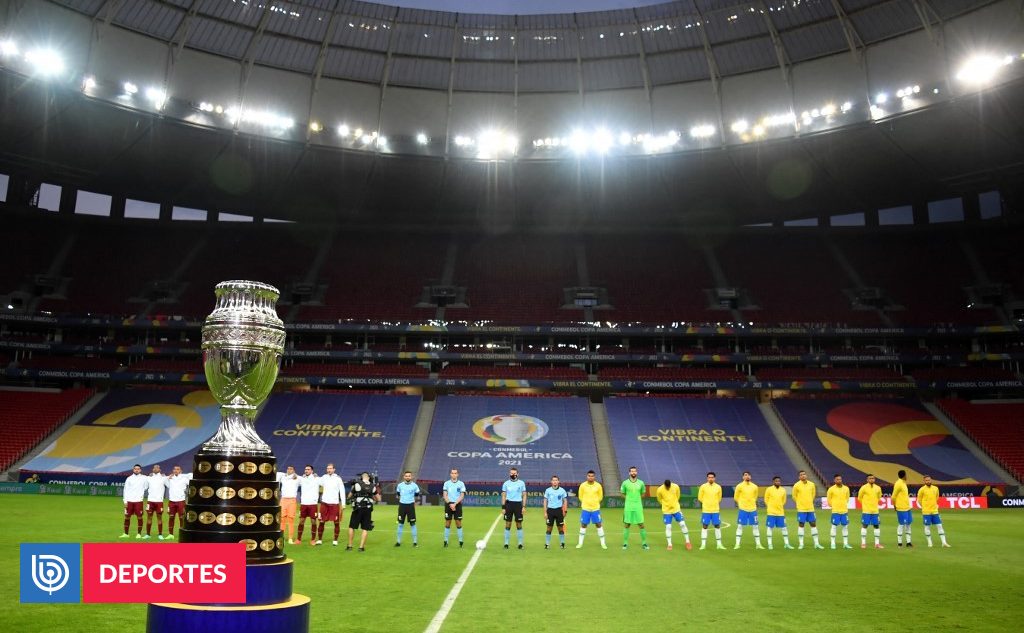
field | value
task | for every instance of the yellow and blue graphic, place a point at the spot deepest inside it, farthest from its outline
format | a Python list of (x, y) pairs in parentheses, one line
[(128, 427), (881, 438)]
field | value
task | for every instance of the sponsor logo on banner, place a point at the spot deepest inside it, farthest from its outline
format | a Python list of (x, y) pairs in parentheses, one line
[(144, 572), (50, 572), (945, 503), (510, 429), (1006, 502)]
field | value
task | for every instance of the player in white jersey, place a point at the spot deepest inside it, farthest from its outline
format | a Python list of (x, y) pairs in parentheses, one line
[(134, 493), (177, 489), (155, 502), (309, 498), (289, 481), (332, 503)]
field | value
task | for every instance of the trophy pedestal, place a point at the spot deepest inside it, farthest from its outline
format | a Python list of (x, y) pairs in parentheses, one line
[(270, 607)]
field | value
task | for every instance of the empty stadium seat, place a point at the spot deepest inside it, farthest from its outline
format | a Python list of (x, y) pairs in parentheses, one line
[(27, 417), (998, 427)]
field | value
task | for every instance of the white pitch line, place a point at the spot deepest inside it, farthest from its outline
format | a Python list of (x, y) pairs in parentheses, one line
[(449, 601)]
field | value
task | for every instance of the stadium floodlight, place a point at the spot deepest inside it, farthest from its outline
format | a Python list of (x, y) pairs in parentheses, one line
[(846, 107), (8, 48), (702, 131), (740, 126), (343, 130), (881, 98), (315, 127), (88, 83), (382, 141), (157, 97), (206, 106), (422, 138), (603, 140), (45, 61), (366, 139), (129, 88), (828, 109), (757, 130), (579, 143), (463, 141), (981, 69), (625, 138)]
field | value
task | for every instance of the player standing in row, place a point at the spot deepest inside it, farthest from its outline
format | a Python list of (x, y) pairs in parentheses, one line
[(590, 494), (556, 505), (745, 495), (309, 497), (838, 497), (289, 481), (633, 509), (134, 492), (901, 503), (804, 493), (710, 497), (453, 491), (155, 502), (407, 491), (775, 508), (332, 503), (177, 488), (513, 497), (869, 495), (928, 499), (668, 496)]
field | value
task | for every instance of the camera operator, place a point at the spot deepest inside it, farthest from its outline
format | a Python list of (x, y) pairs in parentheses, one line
[(362, 494)]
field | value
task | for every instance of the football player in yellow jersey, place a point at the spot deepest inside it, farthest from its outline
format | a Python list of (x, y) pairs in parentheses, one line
[(775, 503), (667, 495), (710, 497), (901, 503), (928, 499), (804, 493), (869, 495), (745, 494), (590, 494), (838, 497)]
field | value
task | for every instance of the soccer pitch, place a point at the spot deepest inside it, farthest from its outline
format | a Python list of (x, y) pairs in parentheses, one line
[(975, 586)]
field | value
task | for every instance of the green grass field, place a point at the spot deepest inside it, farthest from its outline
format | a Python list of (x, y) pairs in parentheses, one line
[(974, 586)]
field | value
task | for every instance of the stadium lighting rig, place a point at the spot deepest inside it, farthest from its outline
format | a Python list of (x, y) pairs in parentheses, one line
[(45, 62), (980, 70)]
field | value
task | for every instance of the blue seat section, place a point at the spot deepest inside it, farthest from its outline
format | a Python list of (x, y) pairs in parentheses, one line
[(356, 432), (483, 436), (683, 438)]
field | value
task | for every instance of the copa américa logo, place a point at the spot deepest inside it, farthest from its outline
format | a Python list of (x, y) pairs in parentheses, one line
[(510, 429), (133, 572)]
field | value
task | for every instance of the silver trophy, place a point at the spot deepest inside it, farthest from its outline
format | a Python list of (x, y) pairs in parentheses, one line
[(243, 339)]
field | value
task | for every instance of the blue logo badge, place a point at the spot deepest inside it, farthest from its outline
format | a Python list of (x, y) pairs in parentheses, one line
[(51, 572)]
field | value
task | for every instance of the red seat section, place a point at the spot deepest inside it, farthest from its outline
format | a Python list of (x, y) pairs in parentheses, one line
[(997, 427), (828, 373), (354, 369), (485, 371), (27, 417), (72, 363)]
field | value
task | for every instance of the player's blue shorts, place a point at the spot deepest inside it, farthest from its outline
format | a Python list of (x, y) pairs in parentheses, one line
[(590, 516), (678, 516), (932, 519), (869, 519), (712, 518), (806, 517), (904, 517), (776, 522), (748, 517), (840, 519)]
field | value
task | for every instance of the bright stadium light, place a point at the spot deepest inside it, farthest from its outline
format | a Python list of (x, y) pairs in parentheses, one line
[(382, 141), (702, 131), (45, 61), (157, 97), (603, 140), (625, 138), (130, 88), (8, 48), (757, 130), (881, 98), (315, 127), (828, 109), (740, 126), (578, 142), (422, 138), (343, 130), (981, 69), (88, 83), (847, 106)]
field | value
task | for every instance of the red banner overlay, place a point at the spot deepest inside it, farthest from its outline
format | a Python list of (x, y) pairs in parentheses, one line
[(152, 572)]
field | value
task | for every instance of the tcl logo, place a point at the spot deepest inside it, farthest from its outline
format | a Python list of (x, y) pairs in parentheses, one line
[(148, 572), (945, 503)]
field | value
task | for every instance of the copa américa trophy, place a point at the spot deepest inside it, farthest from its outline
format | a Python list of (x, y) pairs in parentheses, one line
[(234, 495)]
